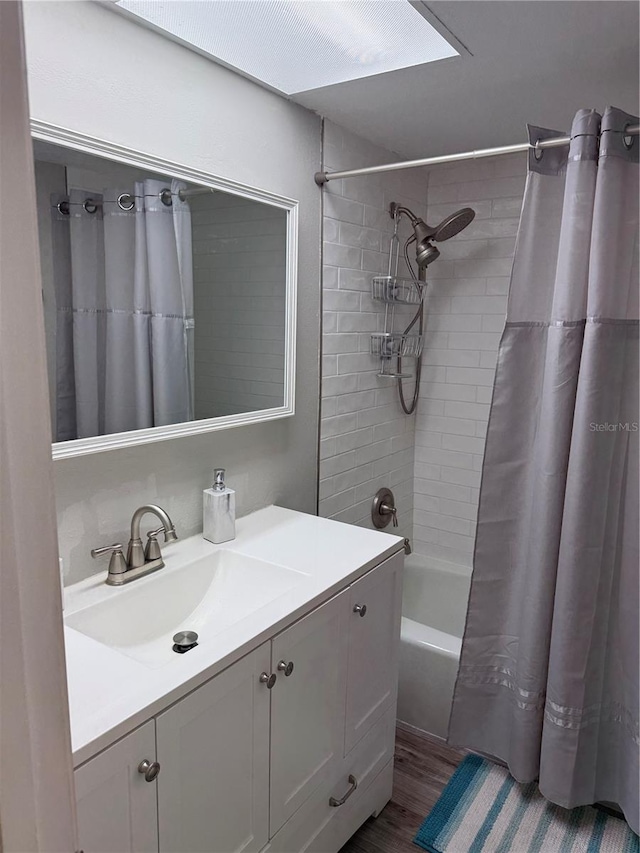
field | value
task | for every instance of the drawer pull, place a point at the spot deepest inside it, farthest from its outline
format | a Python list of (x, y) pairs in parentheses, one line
[(335, 803), (285, 667), (361, 609), (150, 769), (267, 679)]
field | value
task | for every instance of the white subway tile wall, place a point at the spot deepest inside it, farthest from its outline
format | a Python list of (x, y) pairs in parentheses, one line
[(366, 440), (239, 261), (465, 306), (431, 460)]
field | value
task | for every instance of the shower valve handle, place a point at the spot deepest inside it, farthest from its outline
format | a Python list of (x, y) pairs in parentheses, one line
[(389, 509), (383, 509)]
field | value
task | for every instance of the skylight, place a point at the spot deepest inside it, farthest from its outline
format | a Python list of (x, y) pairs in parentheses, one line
[(296, 45)]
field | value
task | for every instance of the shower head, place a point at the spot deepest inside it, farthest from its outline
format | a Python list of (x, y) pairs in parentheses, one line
[(424, 234), (454, 224)]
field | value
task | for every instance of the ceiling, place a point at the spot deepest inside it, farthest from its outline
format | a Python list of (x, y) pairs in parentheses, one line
[(528, 61)]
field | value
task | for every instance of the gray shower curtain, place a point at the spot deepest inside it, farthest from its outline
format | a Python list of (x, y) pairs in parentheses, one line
[(549, 672), (124, 302)]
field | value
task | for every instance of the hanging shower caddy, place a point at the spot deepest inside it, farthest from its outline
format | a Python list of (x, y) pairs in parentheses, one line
[(390, 344)]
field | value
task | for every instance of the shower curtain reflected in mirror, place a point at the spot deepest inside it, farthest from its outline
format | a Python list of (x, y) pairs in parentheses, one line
[(124, 296), (548, 678)]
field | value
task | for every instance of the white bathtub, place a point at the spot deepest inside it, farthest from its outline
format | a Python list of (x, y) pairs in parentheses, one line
[(434, 606)]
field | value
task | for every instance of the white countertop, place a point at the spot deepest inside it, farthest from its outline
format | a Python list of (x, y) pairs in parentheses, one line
[(111, 693)]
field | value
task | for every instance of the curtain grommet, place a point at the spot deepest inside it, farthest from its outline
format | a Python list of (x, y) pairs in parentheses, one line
[(538, 152), (63, 208), (126, 202), (166, 197), (627, 139), (90, 205)]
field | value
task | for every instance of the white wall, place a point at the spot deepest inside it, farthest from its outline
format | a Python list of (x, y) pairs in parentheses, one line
[(466, 306), (239, 282), (93, 71), (366, 440)]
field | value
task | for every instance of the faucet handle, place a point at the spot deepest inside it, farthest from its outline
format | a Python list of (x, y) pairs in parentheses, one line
[(117, 563), (152, 551), (98, 552)]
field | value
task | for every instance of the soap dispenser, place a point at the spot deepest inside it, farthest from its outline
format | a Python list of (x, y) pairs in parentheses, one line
[(219, 511)]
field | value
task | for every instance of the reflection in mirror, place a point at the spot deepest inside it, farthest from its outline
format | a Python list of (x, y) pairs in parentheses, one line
[(164, 301)]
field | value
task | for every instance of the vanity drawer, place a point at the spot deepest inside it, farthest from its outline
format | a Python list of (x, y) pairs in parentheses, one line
[(374, 798), (329, 823)]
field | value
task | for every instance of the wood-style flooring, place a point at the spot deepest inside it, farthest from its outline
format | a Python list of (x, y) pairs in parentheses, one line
[(423, 766)]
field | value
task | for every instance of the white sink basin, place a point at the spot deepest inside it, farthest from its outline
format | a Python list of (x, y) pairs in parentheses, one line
[(207, 596)]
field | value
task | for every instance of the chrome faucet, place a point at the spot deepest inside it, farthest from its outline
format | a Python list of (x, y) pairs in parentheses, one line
[(136, 555), (139, 560)]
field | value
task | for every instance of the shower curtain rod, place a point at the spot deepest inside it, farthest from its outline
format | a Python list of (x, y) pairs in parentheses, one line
[(322, 178)]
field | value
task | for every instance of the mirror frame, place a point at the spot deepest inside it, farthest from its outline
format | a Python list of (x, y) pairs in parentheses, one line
[(45, 132)]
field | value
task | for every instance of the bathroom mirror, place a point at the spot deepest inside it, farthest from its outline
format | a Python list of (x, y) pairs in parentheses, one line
[(169, 296)]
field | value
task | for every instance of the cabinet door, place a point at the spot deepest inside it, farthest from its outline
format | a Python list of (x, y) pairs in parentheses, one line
[(213, 746), (374, 635), (307, 707), (116, 806)]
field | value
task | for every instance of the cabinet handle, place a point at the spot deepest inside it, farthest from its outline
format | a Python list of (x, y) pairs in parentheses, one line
[(150, 769), (285, 667), (267, 679), (335, 803), (361, 609)]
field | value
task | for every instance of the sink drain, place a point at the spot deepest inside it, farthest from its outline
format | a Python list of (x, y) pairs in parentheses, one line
[(184, 640)]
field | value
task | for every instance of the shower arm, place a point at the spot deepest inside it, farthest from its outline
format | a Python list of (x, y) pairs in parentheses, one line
[(398, 210)]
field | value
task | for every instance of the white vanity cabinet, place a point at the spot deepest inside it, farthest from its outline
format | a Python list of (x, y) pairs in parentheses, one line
[(372, 647), (307, 706), (213, 748), (250, 763), (356, 775), (117, 809)]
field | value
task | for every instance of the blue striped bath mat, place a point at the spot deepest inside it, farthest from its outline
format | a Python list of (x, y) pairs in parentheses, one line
[(484, 809)]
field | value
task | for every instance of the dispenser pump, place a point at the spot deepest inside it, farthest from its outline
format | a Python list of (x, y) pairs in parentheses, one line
[(218, 485)]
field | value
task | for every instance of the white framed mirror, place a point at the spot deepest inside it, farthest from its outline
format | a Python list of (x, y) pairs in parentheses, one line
[(169, 296)]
